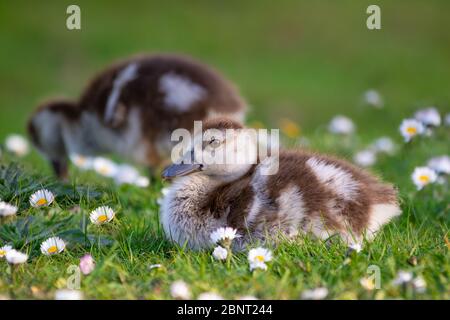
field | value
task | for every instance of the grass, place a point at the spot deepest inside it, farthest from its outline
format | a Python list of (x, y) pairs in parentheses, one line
[(305, 61)]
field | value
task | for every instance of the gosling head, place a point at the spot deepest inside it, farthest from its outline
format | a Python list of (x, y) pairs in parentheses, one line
[(223, 151), (45, 128)]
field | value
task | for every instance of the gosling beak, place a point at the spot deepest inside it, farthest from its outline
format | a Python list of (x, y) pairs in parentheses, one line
[(179, 170)]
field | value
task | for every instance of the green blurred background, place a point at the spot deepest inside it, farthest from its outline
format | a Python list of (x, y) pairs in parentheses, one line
[(302, 60)]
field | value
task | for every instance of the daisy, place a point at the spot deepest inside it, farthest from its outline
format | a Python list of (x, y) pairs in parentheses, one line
[(224, 235), (209, 296), (82, 162), (384, 145), (126, 174), (220, 253), (4, 250), (16, 257), (423, 176), (258, 257), (289, 128), (410, 128), (42, 198), (365, 158), (53, 246), (68, 294), (373, 98), (419, 284), (7, 210), (428, 116), (142, 182), (341, 125), (87, 264), (17, 145), (357, 247), (402, 278), (440, 164), (105, 167), (180, 290), (367, 283), (315, 294), (102, 215)]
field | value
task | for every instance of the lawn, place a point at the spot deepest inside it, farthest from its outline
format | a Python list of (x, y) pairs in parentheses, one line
[(297, 60)]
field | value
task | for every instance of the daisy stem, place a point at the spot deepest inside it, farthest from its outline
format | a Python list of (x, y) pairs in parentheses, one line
[(12, 280), (229, 254), (85, 228)]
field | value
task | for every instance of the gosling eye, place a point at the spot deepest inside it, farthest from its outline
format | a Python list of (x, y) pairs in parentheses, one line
[(214, 143)]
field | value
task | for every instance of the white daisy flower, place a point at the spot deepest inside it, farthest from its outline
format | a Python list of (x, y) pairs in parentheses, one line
[(102, 215), (68, 294), (82, 162), (155, 266), (258, 257), (373, 98), (105, 167), (403, 277), (87, 264), (367, 283), (17, 144), (209, 296), (341, 125), (53, 246), (365, 158), (224, 234), (409, 128), (423, 176), (315, 294), (16, 257), (180, 290), (384, 145), (142, 182), (126, 174), (4, 250), (440, 164), (220, 253), (428, 116), (42, 198), (419, 284), (357, 247), (7, 209)]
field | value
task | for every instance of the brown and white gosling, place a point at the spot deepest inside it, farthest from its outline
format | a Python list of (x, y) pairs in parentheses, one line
[(131, 108), (309, 193)]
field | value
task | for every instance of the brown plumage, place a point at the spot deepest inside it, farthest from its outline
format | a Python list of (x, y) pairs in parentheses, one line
[(157, 93), (309, 192)]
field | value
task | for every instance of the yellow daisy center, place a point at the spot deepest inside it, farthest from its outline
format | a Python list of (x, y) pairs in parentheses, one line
[(424, 178), (259, 258), (102, 218), (370, 284), (2, 253), (41, 202), (290, 129), (411, 130), (104, 170), (52, 249)]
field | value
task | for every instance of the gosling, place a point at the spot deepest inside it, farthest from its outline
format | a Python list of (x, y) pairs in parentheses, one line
[(131, 108), (305, 193)]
